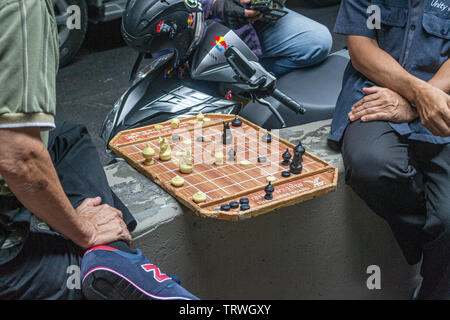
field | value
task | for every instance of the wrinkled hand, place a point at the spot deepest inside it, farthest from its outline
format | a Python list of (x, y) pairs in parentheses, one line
[(103, 224), (433, 106), (233, 14), (382, 104)]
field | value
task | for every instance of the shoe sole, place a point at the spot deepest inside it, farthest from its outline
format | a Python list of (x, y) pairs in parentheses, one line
[(106, 285)]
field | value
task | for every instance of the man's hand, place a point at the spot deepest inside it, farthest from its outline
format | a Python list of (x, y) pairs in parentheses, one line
[(103, 224), (233, 14), (382, 104), (433, 106)]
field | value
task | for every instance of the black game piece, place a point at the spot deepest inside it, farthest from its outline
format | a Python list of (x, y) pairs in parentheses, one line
[(267, 138), (227, 137), (243, 201), (225, 207), (300, 149), (286, 157), (236, 122), (231, 155), (200, 139), (234, 204), (262, 159), (175, 137), (285, 174), (296, 166), (269, 189), (245, 207)]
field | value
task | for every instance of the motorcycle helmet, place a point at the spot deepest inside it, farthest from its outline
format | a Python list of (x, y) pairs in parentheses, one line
[(154, 26)]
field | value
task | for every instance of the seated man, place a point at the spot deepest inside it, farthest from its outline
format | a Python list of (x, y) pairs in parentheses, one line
[(294, 41), (393, 120), (55, 203)]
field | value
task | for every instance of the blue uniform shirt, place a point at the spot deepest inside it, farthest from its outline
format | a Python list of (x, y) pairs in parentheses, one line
[(416, 33)]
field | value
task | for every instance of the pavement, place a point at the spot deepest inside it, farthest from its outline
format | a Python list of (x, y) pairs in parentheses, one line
[(89, 86)]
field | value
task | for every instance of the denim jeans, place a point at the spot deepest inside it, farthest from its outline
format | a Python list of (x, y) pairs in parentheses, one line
[(294, 41)]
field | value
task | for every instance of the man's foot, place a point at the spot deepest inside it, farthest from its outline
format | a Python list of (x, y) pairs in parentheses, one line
[(111, 274)]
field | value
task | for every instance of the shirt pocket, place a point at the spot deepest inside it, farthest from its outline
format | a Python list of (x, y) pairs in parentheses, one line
[(436, 26)]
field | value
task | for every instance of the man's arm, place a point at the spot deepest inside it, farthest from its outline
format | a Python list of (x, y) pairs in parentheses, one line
[(26, 166), (441, 79), (432, 103)]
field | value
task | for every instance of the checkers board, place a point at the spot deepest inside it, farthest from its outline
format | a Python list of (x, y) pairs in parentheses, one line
[(232, 180)]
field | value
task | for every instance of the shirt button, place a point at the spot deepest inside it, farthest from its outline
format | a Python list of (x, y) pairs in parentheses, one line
[(412, 27)]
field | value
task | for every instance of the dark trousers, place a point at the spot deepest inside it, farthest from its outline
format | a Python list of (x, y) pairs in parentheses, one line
[(47, 266), (408, 184)]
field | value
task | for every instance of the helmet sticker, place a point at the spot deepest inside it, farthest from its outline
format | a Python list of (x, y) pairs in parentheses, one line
[(191, 3)]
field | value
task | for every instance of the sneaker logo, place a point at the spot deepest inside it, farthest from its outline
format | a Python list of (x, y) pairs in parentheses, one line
[(157, 274)]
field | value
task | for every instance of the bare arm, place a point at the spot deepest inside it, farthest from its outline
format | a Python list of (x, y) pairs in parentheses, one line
[(26, 166), (441, 79), (433, 104)]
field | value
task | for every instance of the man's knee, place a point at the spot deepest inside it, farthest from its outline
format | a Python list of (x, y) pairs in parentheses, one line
[(317, 49)]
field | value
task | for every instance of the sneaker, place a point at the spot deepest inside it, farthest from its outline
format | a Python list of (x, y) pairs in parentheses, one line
[(111, 274)]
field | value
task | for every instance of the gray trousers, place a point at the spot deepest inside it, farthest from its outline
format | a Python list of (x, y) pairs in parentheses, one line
[(408, 184)]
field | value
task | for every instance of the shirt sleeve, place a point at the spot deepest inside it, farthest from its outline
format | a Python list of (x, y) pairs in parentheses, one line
[(28, 64), (352, 19)]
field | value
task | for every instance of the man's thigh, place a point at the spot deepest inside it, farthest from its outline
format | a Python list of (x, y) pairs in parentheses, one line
[(48, 267), (380, 170), (301, 39)]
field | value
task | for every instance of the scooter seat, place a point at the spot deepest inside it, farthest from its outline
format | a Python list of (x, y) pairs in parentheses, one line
[(317, 88)]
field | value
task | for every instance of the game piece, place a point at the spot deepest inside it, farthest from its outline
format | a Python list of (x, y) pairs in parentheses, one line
[(300, 149), (219, 158), (286, 157), (200, 139), (262, 159), (225, 207), (177, 181), (296, 165), (236, 122), (199, 197), (158, 127), (267, 138), (175, 123), (234, 204), (231, 155), (245, 163), (148, 153), (271, 179), (227, 137), (185, 164), (243, 201), (245, 207), (285, 174), (200, 116), (165, 152), (269, 189), (176, 137)]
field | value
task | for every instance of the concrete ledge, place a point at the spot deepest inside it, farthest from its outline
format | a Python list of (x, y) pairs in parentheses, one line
[(319, 249)]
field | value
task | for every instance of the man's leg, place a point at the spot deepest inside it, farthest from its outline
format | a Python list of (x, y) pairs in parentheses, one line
[(294, 41), (434, 161), (379, 169), (113, 271)]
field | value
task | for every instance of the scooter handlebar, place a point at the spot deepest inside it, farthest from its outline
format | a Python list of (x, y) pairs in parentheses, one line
[(288, 102)]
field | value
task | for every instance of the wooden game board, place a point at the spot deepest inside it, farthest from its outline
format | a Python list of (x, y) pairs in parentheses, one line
[(230, 182)]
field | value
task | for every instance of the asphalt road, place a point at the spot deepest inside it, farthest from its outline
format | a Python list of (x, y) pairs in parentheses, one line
[(89, 86)]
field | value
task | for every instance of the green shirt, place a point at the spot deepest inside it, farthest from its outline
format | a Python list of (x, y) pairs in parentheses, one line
[(29, 63)]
